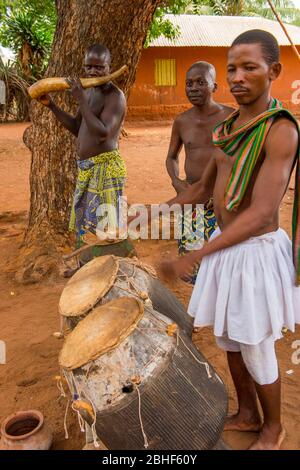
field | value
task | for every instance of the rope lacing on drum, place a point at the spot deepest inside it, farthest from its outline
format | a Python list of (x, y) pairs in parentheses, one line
[(196, 359), (135, 288), (145, 267), (146, 444), (83, 396), (77, 396)]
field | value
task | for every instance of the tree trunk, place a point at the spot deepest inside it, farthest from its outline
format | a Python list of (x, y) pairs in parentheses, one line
[(25, 59), (122, 26)]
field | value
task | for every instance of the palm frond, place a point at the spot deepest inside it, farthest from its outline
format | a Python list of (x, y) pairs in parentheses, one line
[(16, 86)]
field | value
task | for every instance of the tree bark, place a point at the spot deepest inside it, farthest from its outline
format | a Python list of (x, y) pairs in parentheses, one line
[(122, 26)]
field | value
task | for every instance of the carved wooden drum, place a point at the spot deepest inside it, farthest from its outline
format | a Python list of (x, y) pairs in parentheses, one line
[(144, 382)]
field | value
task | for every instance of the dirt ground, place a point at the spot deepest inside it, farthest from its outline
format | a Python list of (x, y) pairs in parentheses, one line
[(29, 314)]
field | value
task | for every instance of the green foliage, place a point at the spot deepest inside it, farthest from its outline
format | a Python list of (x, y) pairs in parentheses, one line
[(160, 25), (27, 27), (22, 27), (43, 8)]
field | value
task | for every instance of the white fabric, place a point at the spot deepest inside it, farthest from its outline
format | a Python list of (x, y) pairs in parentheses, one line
[(248, 291), (260, 359)]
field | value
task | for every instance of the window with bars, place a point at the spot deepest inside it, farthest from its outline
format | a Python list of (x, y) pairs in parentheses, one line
[(165, 72)]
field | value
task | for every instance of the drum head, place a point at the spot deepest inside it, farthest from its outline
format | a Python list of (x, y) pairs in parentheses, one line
[(88, 286), (101, 331)]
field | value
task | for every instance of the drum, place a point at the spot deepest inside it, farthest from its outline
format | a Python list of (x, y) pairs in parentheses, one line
[(137, 379), (109, 277)]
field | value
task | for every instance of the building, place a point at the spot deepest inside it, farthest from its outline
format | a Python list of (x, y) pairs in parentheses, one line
[(159, 89)]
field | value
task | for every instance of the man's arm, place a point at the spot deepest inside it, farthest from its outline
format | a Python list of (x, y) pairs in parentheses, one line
[(71, 123), (197, 193), (202, 190), (109, 120), (112, 115), (172, 161), (269, 189)]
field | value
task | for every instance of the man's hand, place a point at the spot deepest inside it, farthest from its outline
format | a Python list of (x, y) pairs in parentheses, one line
[(45, 100), (180, 185), (182, 267), (76, 88)]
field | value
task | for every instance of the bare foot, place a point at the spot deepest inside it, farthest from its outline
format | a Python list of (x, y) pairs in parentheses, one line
[(269, 440), (243, 423)]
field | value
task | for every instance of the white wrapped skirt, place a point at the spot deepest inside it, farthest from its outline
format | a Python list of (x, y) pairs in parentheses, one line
[(247, 292)]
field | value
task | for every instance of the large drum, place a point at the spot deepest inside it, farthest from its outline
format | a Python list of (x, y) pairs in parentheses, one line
[(143, 382), (109, 277)]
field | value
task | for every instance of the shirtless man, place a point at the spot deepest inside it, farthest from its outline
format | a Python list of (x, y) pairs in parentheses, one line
[(96, 126), (193, 130), (245, 287)]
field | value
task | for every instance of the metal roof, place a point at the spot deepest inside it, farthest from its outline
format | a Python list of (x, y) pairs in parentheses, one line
[(216, 31)]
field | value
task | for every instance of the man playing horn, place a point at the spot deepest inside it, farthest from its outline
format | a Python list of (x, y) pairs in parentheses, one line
[(97, 125), (245, 286)]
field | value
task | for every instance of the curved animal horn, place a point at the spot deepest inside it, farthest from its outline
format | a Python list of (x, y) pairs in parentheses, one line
[(47, 85)]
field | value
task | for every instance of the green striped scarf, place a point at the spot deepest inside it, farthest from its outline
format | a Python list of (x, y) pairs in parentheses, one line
[(248, 141)]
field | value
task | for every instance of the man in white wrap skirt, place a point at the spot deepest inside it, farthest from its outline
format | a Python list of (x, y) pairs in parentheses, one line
[(246, 286)]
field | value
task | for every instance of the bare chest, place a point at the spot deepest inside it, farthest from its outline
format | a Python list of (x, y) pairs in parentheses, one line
[(225, 165), (197, 136), (96, 100)]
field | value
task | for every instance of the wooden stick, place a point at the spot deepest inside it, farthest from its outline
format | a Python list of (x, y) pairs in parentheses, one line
[(284, 29), (90, 245)]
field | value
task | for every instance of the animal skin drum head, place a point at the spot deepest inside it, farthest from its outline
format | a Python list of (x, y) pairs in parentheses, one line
[(101, 331), (88, 286)]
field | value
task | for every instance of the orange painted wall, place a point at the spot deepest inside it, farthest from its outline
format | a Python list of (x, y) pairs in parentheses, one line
[(148, 100)]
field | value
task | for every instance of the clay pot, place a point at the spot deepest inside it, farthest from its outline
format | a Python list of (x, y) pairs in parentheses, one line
[(25, 430)]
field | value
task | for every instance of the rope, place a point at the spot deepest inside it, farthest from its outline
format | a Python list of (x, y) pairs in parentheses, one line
[(65, 421), (79, 417), (130, 281), (93, 428), (60, 387), (84, 396), (135, 294), (205, 364), (135, 291), (74, 386), (218, 378), (146, 444), (145, 267), (196, 359)]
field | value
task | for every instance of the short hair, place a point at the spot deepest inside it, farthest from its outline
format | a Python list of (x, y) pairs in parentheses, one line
[(99, 49), (205, 65), (269, 44)]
